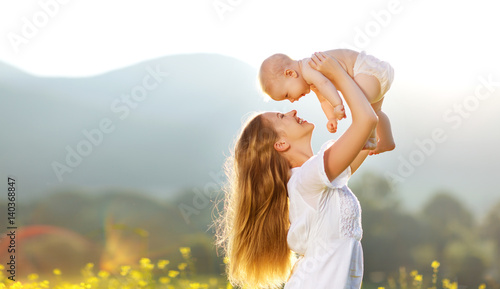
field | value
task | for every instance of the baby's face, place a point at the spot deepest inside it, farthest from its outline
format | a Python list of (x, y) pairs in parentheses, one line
[(290, 88)]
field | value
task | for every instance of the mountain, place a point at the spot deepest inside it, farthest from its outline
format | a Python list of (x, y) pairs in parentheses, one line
[(166, 125), (159, 125)]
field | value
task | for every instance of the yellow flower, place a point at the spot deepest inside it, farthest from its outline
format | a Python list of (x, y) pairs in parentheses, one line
[(446, 283), (185, 251), (194, 285), (182, 266), (103, 274), (2, 267), (44, 284), (414, 273), (136, 275), (173, 273), (57, 272), (33, 277), (435, 264), (16, 285), (381, 287), (482, 286), (143, 283), (163, 263), (164, 280), (418, 278), (124, 270), (226, 260), (146, 264)]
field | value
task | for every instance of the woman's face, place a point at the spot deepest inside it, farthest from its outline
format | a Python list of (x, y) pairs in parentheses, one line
[(289, 125)]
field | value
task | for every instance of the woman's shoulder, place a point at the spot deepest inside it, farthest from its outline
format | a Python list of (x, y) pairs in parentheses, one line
[(312, 172), (326, 145)]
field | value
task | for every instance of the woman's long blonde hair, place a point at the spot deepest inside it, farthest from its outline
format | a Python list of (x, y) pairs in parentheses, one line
[(253, 227)]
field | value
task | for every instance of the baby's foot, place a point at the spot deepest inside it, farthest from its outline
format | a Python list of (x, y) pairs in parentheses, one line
[(339, 112), (370, 144), (383, 146)]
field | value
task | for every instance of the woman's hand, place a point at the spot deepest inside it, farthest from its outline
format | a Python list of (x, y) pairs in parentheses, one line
[(324, 63), (339, 112)]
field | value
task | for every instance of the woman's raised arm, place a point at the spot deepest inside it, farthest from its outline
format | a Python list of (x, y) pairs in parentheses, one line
[(345, 150)]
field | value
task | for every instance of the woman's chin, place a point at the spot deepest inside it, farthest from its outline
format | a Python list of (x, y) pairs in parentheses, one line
[(312, 127)]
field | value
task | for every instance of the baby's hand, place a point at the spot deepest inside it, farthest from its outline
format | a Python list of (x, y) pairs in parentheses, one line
[(331, 125), (339, 112), (324, 63)]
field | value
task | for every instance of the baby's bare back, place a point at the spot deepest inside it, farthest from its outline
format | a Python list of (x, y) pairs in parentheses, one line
[(345, 57)]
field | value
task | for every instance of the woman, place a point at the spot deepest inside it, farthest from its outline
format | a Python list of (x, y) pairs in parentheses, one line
[(283, 198)]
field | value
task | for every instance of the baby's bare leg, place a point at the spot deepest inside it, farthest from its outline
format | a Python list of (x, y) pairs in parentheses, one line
[(370, 86), (384, 131)]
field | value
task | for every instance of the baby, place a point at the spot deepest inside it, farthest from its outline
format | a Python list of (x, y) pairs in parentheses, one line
[(283, 78)]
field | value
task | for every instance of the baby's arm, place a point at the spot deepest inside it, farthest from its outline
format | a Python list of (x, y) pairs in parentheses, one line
[(327, 109), (328, 95)]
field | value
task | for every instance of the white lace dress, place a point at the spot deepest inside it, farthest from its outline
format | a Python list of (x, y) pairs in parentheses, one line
[(325, 228)]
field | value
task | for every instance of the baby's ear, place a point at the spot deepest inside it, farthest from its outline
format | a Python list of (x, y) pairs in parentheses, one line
[(291, 73)]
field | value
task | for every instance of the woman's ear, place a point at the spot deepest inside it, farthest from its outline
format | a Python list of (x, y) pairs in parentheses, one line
[(281, 145), (291, 73)]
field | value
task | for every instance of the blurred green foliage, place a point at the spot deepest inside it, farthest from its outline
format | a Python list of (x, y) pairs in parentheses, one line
[(443, 229), (118, 228)]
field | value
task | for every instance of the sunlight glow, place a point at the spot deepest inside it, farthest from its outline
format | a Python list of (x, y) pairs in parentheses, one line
[(92, 37)]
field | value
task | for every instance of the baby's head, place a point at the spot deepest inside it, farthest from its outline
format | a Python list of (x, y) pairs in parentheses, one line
[(281, 78)]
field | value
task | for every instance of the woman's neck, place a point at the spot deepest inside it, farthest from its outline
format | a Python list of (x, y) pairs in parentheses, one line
[(298, 156)]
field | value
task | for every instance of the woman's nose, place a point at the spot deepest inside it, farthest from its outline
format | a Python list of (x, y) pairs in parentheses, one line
[(292, 112)]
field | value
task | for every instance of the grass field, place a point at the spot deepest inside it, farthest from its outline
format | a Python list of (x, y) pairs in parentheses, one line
[(163, 274)]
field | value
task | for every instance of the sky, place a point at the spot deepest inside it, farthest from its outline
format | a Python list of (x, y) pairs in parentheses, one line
[(81, 38), (442, 51)]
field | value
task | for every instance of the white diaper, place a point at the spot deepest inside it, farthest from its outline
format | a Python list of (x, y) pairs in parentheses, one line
[(370, 65)]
